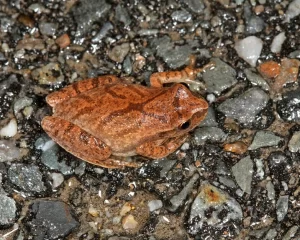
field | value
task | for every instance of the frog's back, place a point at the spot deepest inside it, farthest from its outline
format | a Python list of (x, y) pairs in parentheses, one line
[(113, 113), (103, 101)]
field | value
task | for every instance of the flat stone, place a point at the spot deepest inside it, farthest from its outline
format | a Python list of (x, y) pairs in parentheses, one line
[(51, 219), (7, 210), (219, 78), (245, 107), (27, 177), (264, 139), (243, 171)]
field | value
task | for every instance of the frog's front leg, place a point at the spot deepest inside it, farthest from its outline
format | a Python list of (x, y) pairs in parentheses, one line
[(158, 149), (80, 143), (187, 75), (79, 87)]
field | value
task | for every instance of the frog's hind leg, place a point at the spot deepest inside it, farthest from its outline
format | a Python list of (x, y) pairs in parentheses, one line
[(80, 143), (79, 87)]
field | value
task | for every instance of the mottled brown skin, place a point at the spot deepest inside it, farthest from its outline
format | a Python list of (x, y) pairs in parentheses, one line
[(102, 119)]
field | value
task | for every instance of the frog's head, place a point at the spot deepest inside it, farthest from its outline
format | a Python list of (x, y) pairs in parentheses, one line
[(191, 110)]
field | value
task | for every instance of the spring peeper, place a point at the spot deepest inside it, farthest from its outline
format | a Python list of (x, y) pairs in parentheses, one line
[(102, 120)]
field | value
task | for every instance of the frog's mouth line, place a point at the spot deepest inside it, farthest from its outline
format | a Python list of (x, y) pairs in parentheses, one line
[(126, 154)]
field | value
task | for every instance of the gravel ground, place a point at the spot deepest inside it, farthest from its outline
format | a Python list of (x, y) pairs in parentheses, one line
[(236, 177)]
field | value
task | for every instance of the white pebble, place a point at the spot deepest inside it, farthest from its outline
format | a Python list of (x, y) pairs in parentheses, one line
[(185, 146), (292, 11), (10, 129), (47, 145), (57, 178), (154, 205), (277, 42), (249, 49), (211, 98)]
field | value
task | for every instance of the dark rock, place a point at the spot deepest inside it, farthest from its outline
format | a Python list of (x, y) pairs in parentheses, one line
[(289, 107), (50, 220)]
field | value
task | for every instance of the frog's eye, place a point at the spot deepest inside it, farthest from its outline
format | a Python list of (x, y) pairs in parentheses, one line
[(185, 125)]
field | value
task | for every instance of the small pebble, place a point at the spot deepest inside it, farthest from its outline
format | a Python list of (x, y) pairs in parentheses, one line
[(119, 52), (30, 44), (125, 209), (269, 69), (26, 177), (10, 129), (212, 134), (63, 41), (236, 147), (181, 16), (7, 210), (254, 98), (93, 211), (293, 10), (243, 171), (264, 139), (249, 54), (58, 179), (277, 42), (47, 28), (282, 207), (288, 73), (50, 219), (8, 151), (154, 205), (48, 74), (128, 222), (26, 20), (215, 201)]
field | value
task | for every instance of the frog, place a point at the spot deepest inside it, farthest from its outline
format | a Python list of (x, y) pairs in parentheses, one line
[(105, 120)]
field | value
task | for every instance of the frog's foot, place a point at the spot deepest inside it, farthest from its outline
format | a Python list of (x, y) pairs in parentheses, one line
[(187, 75), (158, 149), (79, 87)]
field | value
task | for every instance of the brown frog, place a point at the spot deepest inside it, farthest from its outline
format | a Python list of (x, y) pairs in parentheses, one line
[(102, 120)]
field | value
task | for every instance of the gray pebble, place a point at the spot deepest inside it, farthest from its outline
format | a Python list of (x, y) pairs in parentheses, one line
[(256, 80), (87, 12), (228, 206), (245, 107), (243, 171), (119, 52), (219, 78), (197, 6), (7, 210), (26, 177), (181, 16), (8, 151), (282, 207), (122, 15), (48, 29), (264, 139), (178, 200), (294, 143), (213, 134)]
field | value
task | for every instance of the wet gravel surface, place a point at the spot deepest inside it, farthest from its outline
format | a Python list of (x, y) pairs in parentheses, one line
[(236, 177)]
